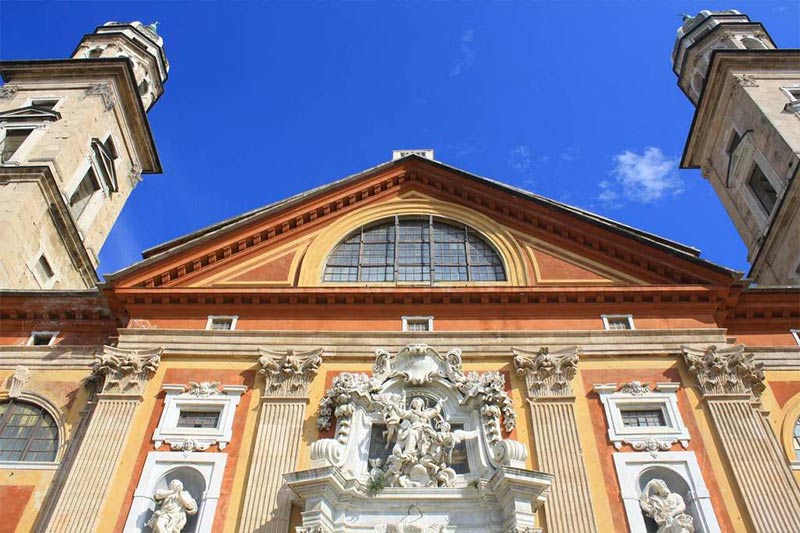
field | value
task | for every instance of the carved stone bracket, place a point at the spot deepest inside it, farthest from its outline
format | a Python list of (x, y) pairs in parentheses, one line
[(119, 371), (725, 370), (547, 374), (105, 92), (18, 380), (746, 80), (289, 373), (7, 92)]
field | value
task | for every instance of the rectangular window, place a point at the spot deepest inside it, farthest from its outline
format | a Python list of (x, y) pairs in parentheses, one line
[(12, 142), (42, 338), (762, 189), (617, 322), (735, 140), (45, 103), (417, 323), (81, 196), (198, 419), (221, 323), (643, 418), (43, 269), (105, 153)]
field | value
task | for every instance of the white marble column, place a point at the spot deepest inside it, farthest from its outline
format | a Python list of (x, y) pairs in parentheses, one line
[(557, 445), (730, 383), (120, 377), (278, 438)]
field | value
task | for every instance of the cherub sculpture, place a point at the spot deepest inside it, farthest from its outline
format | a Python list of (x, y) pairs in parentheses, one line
[(173, 504)]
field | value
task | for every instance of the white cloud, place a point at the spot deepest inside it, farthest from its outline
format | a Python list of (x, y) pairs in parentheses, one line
[(519, 158), (467, 56), (641, 177), (570, 153)]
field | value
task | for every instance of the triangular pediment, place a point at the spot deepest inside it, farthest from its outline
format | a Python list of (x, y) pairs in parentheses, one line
[(544, 243), (29, 114)]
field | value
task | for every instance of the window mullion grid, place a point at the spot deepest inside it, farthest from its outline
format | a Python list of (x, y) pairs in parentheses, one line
[(32, 436), (396, 250), (431, 251), (360, 254), (6, 417), (466, 253)]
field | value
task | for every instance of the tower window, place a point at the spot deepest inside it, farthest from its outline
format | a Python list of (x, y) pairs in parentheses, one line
[(81, 196), (105, 153), (43, 269), (617, 322), (45, 103), (762, 189), (412, 250), (13, 140)]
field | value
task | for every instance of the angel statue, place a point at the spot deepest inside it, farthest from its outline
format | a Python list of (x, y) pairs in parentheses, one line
[(174, 504), (666, 508), (416, 429)]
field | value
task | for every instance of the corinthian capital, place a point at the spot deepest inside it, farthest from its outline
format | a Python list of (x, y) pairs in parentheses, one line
[(547, 373), (118, 371), (289, 373), (725, 370)]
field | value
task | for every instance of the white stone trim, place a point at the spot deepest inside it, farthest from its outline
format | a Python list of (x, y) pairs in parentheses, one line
[(644, 438), (211, 466), (407, 319), (59, 100), (233, 318), (24, 149), (631, 465), (796, 335), (28, 465), (606, 325), (189, 439)]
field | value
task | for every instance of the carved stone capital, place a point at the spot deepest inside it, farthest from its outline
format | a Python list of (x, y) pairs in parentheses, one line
[(289, 373), (118, 371), (547, 373), (725, 370), (18, 380), (105, 92), (746, 80), (7, 92)]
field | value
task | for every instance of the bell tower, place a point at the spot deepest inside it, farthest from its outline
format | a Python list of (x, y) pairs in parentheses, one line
[(745, 136), (75, 142)]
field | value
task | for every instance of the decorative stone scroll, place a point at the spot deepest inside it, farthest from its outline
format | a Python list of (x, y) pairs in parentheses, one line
[(118, 371), (725, 370), (289, 373), (547, 374), (18, 380), (8, 92)]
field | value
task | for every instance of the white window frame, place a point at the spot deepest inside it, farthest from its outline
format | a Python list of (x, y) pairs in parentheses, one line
[(631, 465), (157, 465), (53, 337), (33, 267), (59, 101), (648, 438), (233, 318), (607, 327), (37, 130), (178, 399), (407, 319)]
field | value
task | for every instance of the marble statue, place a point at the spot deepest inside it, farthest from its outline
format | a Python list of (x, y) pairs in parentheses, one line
[(666, 508), (174, 504)]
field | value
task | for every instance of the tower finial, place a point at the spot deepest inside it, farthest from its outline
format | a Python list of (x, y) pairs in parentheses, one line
[(153, 27)]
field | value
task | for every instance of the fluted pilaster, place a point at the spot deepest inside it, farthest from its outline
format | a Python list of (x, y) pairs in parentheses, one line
[(729, 382), (280, 427), (120, 376), (547, 375)]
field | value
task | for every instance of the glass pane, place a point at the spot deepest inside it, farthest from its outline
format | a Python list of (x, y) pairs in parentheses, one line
[(643, 418), (334, 273), (378, 254), (382, 233), (198, 419)]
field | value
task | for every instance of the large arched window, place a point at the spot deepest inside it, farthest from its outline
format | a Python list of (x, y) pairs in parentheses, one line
[(796, 439), (414, 249), (27, 433)]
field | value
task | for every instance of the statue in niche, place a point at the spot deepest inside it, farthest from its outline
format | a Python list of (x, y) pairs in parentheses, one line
[(173, 504), (422, 444), (666, 508)]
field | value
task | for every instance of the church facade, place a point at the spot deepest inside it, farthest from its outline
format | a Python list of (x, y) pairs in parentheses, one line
[(411, 348)]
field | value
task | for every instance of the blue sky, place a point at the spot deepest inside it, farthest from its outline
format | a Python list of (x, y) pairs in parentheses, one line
[(572, 100)]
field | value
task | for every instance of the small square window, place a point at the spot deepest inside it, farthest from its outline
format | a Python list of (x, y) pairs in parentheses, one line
[(617, 322), (43, 268), (45, 103), (643, 418), (221, 323), (12, 142), (417, 323), (796, 335), (762, 189), (42, 338), (198, 419)]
